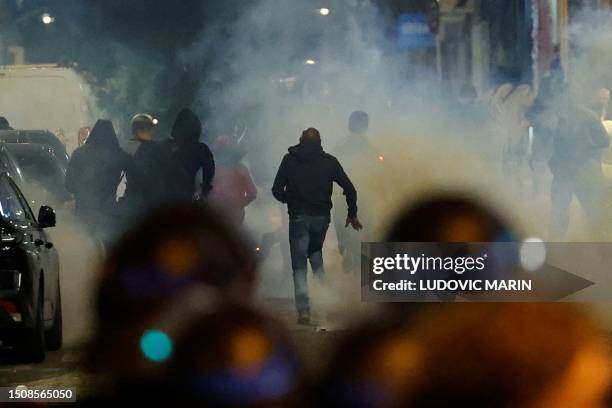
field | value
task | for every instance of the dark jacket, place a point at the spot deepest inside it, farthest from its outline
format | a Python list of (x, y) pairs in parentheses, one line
[(305, 181), (94, 170), (182, 156), (143, 189), (579, 140)]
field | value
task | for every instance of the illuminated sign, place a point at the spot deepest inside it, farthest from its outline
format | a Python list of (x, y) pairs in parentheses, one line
[(414, 32)]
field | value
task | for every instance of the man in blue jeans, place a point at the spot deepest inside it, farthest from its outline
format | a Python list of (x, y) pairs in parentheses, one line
[(305, 183)]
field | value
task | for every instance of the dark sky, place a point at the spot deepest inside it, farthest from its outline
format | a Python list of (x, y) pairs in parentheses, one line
[(107, 36), (119, 38), (150, 25)]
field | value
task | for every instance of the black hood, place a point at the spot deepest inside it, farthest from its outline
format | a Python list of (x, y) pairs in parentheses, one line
[(103, 135), (306, 151), (187, 127)]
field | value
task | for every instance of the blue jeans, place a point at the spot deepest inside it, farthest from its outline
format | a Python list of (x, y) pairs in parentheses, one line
[(306, 237)]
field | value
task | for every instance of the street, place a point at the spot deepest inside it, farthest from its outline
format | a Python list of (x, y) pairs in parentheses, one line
[(60, 369), (332, 203), (63, 368)]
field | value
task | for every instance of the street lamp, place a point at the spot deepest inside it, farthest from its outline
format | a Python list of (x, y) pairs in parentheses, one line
[(46, 18), (324, 11)]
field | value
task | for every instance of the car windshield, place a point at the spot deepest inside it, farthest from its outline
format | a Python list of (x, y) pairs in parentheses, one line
[(10, 206), (5, 165), (47, 139), (33, 136), (38, 166)]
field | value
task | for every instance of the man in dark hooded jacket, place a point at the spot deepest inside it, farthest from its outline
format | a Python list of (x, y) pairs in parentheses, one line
[(142, 189), (305, 183), (182, 156), (93, 175)]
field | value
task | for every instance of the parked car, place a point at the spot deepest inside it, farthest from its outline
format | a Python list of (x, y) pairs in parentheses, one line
[(42, 172), (30, 296), (42, 137)]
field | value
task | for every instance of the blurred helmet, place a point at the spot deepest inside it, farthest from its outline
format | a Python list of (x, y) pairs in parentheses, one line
[(142, 121)]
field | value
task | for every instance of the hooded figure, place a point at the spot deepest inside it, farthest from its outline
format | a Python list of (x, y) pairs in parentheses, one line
[(183, 156), (93, 174), (232, 187), (304, 182)]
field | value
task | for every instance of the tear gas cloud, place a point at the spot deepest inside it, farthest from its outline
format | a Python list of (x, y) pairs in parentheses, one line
[(263, 65), (286, 68), (260, 52)]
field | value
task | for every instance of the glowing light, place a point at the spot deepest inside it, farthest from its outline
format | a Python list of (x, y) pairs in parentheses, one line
[(532, 254), (324, 11), (156, 345), (381, 157), (310, 62), (47, 19), (249, 348), (155, 121), (178, 256), (258, 249)]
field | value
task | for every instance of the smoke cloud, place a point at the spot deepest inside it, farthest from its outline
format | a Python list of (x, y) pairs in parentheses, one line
[(286, 68)]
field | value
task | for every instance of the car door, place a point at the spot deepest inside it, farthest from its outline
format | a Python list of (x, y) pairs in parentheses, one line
[(14, 213), (46, 250)]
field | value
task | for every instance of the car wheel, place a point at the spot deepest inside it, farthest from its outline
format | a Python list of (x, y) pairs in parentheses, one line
[(33, 346), (54, 335)]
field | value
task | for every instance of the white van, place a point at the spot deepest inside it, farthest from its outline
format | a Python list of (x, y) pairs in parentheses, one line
[(46, 97)]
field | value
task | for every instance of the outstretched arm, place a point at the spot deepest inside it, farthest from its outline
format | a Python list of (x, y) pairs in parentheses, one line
[(350, 193), (348, 189)]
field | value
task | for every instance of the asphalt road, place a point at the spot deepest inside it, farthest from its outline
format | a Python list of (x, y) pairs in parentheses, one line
[(63, 368), (79, 259), (60, 369)]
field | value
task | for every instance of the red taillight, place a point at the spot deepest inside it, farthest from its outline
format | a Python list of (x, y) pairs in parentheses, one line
[(9, 307)]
